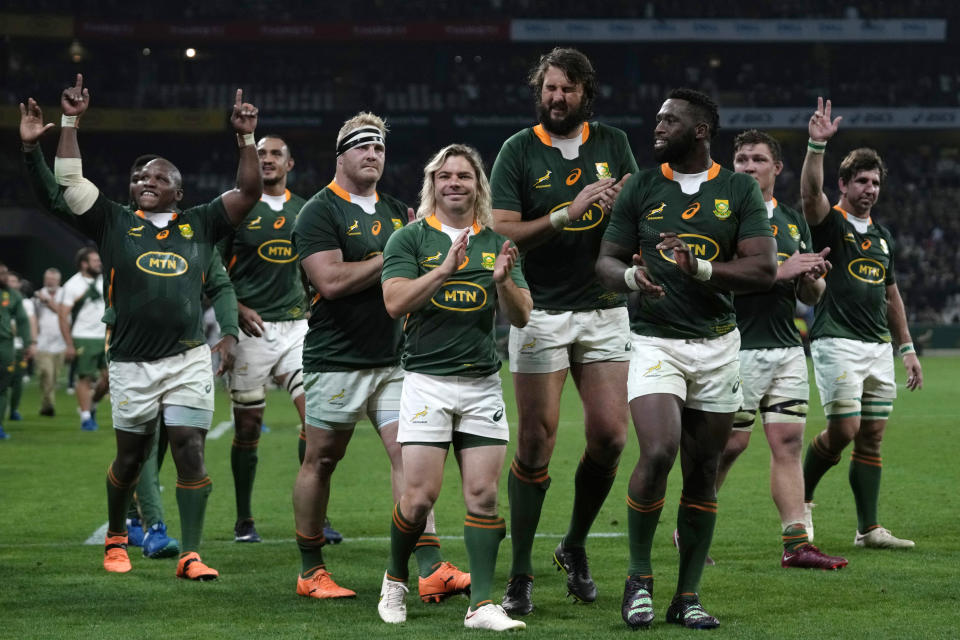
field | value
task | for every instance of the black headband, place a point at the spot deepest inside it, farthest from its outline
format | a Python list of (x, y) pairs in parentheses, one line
[(360, 137)]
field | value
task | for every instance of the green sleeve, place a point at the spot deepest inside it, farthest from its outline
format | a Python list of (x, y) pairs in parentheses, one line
[(23, 322), (45, 186), (622, 229), (222, 296), (752, 211), (891, 272), (400, 255), (316, 230), (517, 275), (506, 178)]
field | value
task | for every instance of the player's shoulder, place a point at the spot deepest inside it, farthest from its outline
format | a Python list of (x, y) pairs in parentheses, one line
[(295, 201), (393, 203), (792, 214)]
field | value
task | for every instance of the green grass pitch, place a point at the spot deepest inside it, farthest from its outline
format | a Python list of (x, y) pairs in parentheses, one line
[(52, 495)]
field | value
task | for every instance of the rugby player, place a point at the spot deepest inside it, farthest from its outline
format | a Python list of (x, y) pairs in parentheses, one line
[(50, 344), (12, 314), (773, 367), (703, 233), (859, 316), (352, 351), (158, 358), (553, 189), (446, 272)]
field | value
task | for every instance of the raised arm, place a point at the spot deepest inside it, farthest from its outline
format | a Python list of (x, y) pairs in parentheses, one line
[(816, 206), (240, 200), (405, 295), (515, 301), (900, 332), (80, 194)]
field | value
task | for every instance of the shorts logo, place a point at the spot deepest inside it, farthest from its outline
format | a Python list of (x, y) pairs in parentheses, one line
[(573, 177), (136, 232), (591, 218), (842, 376), (488, 260), (498, 414), (206, 389), (543, 182), (603, 170), (254, 224), (340, 396), (628, 346), (186, 231), (279, 222), (655, 369), (654, 214), (162, 263), (460, 295), (354, 229), (736, 385), (528, 346), (721, 209), (701, 247), (431, 259), (867, 270), (794, 231), (420, 417), (397, 223), (278, 251)]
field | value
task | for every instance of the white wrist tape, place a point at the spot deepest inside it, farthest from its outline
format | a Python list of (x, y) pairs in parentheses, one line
[(906, 349), (630, 277), (80, 193), (245, 140), (704, 270), (68, 121), (560, 218)]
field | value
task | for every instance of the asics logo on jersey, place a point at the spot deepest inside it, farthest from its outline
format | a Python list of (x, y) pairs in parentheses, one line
[(420, 417), (375, 229), (278, 251), (279, 222), (543, 182), (654, 214), (460, 295), (162, 263), (721, 209), (701, 247), (255, 223), (691, 211), (867, 270), (775, 230), (136, 232), (354, 229), (573, 177), (866, 244)]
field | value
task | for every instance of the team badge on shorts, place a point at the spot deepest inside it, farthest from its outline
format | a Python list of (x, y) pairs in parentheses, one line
[(603, 170), (488, 260), (721, 209), (186, 231), (794, 231), (420, 417)]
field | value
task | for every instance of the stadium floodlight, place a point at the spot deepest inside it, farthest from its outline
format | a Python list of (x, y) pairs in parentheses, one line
[(190, 52)]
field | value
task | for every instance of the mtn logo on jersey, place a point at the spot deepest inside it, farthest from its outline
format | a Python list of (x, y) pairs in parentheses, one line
[(278, 251), (487, 260), (867, 270), (794, 231), (186, 231), (591, 218), (701, 248), (254, 224), (543, 182), (162, 263), (721, 209), (654, 214), (354, 229), (460, 295), (136, 232), (603, 170)]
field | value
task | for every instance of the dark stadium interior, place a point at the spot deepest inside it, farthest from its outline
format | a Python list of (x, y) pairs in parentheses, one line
[(474, 91)]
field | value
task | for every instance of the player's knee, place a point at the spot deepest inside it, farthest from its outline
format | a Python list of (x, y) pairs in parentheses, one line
[(659, 457), (605, 448), (249, 398), (293, 383), (840, 409)]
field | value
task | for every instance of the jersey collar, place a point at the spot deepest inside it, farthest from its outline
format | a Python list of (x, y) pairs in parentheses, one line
[(544, 137), (846, 214), (340, 191), (434, 222), (141, 214), (286, 195), (712, 172)]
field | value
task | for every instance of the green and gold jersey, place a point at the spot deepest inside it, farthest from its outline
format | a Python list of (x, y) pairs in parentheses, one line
[(12, 313), (355, 331), (262, 262), (765, 319), (854, 305), (453, 334), (532, 177), (154, 277), (727, 208)]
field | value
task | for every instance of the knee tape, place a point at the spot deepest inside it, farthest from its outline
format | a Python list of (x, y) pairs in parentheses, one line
[(876, 408), (294, 384), (846, 408), (250, 399), (784, 410), (743, 420)]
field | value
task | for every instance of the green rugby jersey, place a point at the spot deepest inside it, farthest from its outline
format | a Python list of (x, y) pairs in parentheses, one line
[(453, 334), (727, 208), (262, 262), (854, 305), (765, 319), (154, 277), (354, 331), (532, 177), (13, 313)]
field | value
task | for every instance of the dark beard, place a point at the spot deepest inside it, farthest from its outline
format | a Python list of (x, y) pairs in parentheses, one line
[(270, 182), (564, 126), (677, 150)]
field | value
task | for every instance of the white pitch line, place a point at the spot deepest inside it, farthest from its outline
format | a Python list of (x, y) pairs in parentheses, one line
[(98, 536), (220, 429)]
